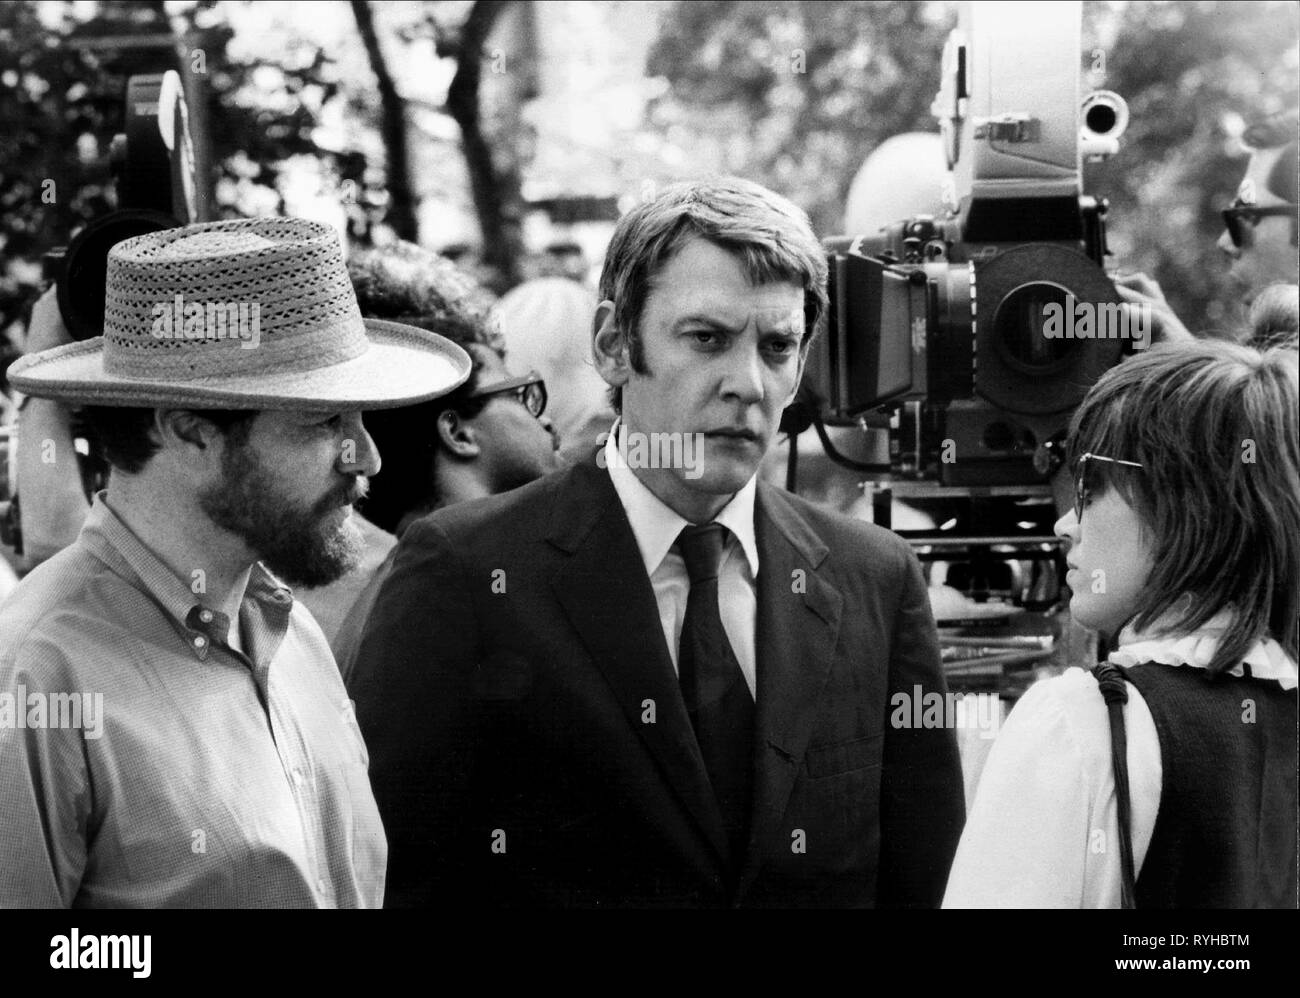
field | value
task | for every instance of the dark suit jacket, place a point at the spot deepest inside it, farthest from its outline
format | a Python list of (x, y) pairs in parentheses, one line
[(529, 744)]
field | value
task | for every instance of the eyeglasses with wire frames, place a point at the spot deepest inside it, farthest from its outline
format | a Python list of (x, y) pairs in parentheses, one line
[(1241, 219), (1081, 491), (528, 390)]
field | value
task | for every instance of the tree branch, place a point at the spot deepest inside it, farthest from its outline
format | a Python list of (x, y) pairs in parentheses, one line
[(401, 205), (487, 185)]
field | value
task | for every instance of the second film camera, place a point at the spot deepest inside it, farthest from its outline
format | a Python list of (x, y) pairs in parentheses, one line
[(966, 327), (152, 160), (157, 186)]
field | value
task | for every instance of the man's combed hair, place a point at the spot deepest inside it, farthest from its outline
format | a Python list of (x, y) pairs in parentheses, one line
[(1215, 427), (772, 239), (406, 283)]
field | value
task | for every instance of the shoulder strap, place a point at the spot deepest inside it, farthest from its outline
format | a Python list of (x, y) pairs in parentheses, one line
[(1114, 690)]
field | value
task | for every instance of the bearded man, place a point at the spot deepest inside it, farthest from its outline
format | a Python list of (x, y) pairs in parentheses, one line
[(176, 733)]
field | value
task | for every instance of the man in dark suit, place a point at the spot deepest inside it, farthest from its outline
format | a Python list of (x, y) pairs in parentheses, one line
[(651, 679)]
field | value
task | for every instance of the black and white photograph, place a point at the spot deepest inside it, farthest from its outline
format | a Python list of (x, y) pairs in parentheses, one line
[(507, 460)]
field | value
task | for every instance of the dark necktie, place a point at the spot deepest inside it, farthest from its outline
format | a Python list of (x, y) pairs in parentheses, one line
[(716, 694)]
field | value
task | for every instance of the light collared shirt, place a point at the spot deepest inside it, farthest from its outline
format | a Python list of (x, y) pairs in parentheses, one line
[(656, 527), (204, 776), (1044, 829)]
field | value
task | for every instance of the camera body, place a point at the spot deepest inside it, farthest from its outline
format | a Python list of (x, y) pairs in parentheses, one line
[(967, 328), (152, 161), (158, 187)]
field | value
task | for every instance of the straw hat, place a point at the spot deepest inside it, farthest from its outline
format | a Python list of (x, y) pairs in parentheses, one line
[(242, 314)]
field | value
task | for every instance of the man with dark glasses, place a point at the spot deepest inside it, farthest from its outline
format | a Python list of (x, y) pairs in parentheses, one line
[(486, 437), (1260, 225), (1242, 218), (496, 437), (529, 391)]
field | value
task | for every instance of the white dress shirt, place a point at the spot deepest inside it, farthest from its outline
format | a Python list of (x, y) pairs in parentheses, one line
[(656, 527), (1043, 831)]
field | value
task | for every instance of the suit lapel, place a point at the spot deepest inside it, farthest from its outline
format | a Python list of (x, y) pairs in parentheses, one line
[(798, 624), (608, 598)]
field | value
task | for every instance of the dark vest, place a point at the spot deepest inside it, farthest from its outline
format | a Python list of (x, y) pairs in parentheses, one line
[(1225, 834)]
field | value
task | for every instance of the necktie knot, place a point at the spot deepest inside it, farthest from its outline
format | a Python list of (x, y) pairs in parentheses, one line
[(701, 549)]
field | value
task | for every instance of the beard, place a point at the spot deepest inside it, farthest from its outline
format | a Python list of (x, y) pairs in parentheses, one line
[(301, 546)]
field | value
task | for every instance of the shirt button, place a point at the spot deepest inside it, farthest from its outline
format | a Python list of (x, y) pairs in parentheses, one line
[(298, 777), (200, 641), (322, 888), (205, 616)]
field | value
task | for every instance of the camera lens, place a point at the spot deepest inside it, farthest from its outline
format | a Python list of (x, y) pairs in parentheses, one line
[(85, 266), (1018, 326), (1022, 296), (1101, 118)]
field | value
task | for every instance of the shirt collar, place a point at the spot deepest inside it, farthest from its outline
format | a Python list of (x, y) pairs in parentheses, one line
[(109, 539), (1266, 658), (655, 526)]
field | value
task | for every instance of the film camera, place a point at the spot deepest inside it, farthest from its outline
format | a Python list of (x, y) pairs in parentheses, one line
[(962, 328), (152, 160), (157, 187)]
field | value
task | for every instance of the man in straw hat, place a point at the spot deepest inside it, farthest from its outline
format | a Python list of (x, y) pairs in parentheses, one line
[(173, 731)]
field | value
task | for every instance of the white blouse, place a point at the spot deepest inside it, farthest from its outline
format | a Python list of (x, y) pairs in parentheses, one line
[(1043, 830)]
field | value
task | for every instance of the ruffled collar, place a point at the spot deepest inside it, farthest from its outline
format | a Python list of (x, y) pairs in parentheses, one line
[(1266, 658)]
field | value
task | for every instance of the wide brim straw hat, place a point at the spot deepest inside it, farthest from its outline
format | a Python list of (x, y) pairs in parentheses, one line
[(241, 314)]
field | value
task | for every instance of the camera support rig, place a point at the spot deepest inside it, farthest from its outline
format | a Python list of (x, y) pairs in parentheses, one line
[(947, 330)]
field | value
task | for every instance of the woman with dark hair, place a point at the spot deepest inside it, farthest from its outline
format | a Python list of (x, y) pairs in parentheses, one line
[(1184, 550)]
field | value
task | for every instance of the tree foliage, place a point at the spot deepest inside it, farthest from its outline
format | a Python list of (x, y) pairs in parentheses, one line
[(61, 103), (1191, 73), (793, 94), (796, 94)]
